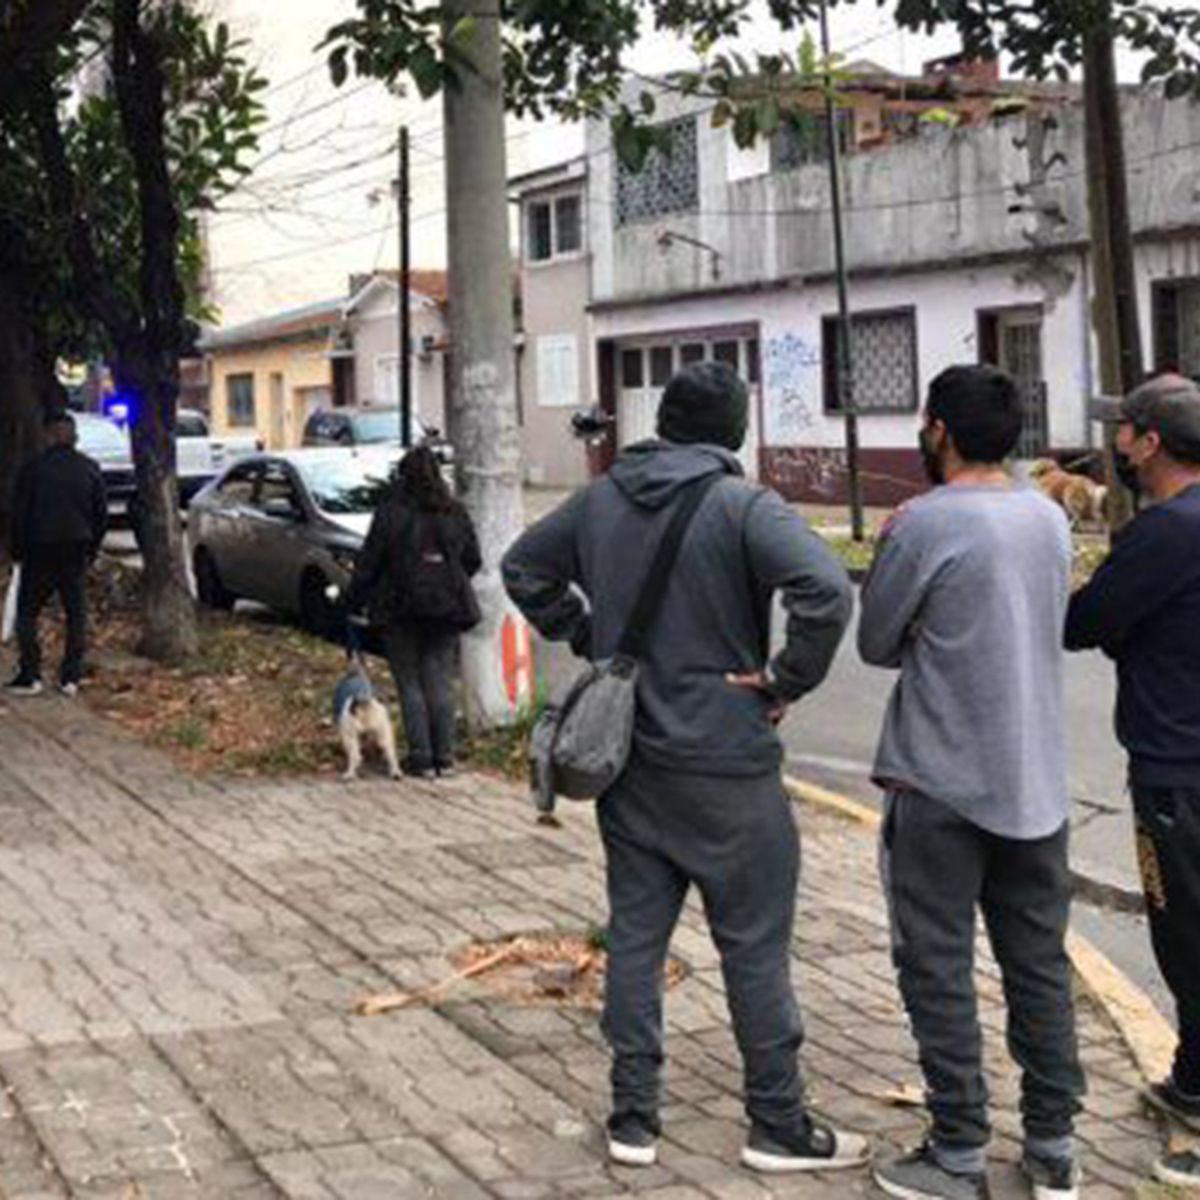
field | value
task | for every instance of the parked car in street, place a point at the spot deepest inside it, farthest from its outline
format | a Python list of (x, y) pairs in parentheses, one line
[(107, 444), (369, 427), (281, 528), (199, 456)]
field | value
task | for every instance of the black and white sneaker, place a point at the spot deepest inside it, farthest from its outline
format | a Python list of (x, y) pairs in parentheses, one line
[(919, 1176), (1051, 1178), (24, 685), (633, 1140), (1179, 1105), (1181, 1170), (814, 1148), (68, 688)]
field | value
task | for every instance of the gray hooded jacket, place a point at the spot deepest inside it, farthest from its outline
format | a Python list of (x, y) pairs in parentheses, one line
[(576, 574)]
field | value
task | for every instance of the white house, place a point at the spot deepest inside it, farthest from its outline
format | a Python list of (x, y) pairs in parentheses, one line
[(965, 244), (371, 318)]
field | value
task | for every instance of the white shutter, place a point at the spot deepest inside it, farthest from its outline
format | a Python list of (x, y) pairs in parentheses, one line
[(558, 371)]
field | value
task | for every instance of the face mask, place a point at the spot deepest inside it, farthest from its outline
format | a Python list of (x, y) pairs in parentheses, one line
[(1127, 473), (931, 460)]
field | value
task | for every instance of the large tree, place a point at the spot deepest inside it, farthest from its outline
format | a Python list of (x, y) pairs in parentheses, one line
[(118, 128)]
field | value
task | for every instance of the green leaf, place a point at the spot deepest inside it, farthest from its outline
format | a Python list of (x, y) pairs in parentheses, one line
[(426, 72), (338, 68)]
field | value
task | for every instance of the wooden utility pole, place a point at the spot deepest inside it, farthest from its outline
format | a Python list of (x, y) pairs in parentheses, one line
[(404, 295), (483, 406), (1115, 307), (845, 345)]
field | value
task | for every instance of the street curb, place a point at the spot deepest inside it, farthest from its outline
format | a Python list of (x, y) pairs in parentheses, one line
[(1149, 1036)]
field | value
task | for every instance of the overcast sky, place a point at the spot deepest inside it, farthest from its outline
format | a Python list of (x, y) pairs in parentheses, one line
[(317, 207)]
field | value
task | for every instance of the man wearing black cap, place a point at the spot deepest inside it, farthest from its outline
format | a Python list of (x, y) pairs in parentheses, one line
[(59, 520), (701, 801), (1142, 608)]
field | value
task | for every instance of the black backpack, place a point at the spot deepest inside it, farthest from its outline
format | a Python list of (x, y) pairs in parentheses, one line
[(436, 589)]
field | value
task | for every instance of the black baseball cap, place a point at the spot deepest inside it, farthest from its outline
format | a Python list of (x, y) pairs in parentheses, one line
[(1168, 404)]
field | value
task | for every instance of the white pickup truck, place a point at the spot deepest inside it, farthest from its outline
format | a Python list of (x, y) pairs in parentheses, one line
[(199, 456)]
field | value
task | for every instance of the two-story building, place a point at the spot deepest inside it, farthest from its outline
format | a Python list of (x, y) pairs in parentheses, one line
[(966, 241)]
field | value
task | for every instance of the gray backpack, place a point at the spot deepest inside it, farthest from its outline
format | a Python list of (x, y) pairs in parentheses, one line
[(580, 746)]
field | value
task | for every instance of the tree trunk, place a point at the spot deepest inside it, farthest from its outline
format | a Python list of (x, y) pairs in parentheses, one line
[(482, 408), (169, 629), (23, 384)]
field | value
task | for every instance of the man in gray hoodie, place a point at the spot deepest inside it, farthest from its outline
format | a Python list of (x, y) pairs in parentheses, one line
[(701, 801)]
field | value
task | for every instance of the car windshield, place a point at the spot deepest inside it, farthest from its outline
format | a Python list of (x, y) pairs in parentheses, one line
[(346, 486), (382, 426), (101, 437)]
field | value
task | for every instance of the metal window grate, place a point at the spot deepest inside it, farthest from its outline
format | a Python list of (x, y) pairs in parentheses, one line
[(885, 362), (669, 180)]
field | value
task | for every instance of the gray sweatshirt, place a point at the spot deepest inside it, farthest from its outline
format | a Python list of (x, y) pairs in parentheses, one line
[(575, 575), (968, 597)]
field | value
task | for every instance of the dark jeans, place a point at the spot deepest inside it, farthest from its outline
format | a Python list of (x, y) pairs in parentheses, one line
[(1168, 845), (45, 572), (423, 660), (937, 869), (736, 840)]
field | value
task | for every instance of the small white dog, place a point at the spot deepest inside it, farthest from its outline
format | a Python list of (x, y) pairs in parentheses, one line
[(360, 714)]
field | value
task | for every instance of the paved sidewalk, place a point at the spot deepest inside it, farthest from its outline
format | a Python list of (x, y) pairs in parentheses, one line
[(179, 962)]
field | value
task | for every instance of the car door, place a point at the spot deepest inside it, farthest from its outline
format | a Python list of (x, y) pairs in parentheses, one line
[(277, 543), (224, 526)]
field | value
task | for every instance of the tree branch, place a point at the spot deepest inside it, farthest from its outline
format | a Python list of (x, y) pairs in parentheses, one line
[(96, 294), (29, 31)]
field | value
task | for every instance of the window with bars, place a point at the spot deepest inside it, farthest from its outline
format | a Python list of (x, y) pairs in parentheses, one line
[(1175, 306), (239, 400), (669, 180), (804, 138), (884, 361)]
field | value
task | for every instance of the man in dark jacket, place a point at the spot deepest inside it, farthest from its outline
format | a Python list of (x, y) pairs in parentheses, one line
[(59, 520), (701, 801), (1142, 608)]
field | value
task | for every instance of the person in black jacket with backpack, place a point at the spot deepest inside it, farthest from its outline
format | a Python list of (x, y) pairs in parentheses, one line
[(60, 517), (414, 576)]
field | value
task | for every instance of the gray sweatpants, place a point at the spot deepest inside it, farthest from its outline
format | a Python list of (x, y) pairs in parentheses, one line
[(938, 868), (736, 840)]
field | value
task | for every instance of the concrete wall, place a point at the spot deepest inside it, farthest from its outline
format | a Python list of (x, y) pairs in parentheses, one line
[(299, 366), (554, 299), (1010, 187), (376, 337)]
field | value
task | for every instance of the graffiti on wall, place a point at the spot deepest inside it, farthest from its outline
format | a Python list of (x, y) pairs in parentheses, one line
[(808, 471), (791, 371)]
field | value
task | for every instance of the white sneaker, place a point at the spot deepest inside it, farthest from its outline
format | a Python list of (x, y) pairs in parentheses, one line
[(24, 685), (70, 690)]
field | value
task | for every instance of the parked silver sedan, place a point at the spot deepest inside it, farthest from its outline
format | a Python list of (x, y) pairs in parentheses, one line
[(280, 528)]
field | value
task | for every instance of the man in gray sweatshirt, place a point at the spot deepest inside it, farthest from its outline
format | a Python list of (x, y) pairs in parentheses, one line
[(701, 801), (967, 598)]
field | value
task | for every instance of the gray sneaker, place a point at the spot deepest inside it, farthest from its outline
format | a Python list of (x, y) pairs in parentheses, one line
[(1181, 1170), (919, 1176), (1051, 1178)]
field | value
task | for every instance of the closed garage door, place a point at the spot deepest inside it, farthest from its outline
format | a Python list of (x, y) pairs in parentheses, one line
[(644, 366)]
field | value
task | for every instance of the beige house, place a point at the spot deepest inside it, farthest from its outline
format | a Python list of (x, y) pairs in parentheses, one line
[(268, 376), (555, 373)]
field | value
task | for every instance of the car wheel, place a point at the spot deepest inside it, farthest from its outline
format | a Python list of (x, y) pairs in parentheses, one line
[(210, 591), (318, 614)]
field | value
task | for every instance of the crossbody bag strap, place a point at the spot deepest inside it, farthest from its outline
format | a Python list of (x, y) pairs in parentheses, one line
[(654, 587)]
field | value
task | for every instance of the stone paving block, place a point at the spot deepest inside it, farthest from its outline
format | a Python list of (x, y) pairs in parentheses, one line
[(392, 1169)]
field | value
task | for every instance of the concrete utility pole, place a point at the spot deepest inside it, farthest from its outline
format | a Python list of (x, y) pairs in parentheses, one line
[(1115, 309), (482, 405)]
